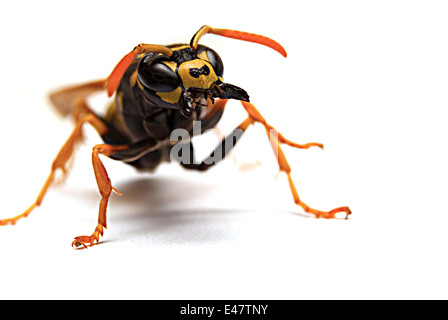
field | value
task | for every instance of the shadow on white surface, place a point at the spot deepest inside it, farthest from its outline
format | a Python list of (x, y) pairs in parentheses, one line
[(169, 210)]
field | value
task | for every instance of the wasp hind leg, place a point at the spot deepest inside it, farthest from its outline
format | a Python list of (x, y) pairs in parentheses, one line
[(276, 139), (83, 114), (63, 156)]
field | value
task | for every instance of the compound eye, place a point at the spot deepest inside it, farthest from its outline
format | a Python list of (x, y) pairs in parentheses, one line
[(215, 61), (156, 75), (213, 58)]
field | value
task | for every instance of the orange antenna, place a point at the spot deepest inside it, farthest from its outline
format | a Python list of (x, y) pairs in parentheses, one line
[(113, 81), (240, 35)]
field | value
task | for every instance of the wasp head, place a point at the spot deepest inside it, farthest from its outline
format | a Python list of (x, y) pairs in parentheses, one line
[(187, 79)]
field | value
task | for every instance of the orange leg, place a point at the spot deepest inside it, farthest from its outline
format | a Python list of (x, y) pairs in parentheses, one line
[(105, 188), (60, 161), (276, 139), (72, 101)]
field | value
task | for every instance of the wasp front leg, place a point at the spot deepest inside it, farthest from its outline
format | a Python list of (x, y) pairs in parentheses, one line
[(105, 188), (276, 139), (117, 152), (222, 150)]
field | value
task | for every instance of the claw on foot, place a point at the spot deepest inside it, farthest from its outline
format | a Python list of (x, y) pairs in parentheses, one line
[(332, 214), (82, 241), (88, 240)]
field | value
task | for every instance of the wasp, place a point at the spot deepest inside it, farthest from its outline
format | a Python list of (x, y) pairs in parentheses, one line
[(158, 89)]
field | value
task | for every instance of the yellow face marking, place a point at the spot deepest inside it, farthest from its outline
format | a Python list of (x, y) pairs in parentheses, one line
[(134, 79), (203, 56), (171, 96), (119, 101), (203, 81), (170, 64)]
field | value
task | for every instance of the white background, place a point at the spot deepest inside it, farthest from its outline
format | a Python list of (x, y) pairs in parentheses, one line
[(366, 78)]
